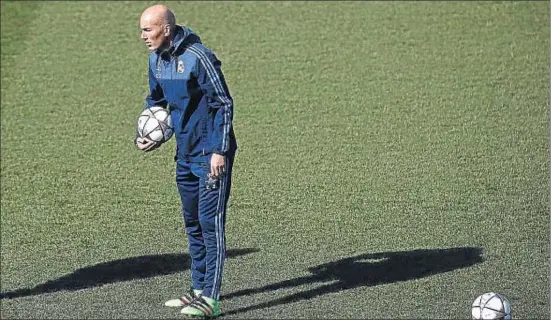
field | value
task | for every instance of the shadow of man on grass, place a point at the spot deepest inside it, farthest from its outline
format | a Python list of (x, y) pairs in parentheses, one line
[(141, 267), (367, 270)]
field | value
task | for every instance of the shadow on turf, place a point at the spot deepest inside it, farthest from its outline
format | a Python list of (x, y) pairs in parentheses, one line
[(116, 271), (366, 270)]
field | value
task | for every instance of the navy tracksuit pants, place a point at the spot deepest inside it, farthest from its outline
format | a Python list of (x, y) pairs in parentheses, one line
[(204, 213)]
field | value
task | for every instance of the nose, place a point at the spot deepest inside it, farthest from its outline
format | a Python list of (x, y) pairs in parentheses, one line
[(143, 36)]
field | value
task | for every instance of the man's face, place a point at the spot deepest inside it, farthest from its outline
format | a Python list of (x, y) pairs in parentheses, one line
[(154, 34)]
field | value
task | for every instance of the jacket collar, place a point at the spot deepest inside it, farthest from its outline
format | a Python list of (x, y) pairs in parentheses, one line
[(183, 36)]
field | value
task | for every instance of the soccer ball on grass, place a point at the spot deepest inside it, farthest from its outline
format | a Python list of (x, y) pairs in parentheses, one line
[(491, 305)]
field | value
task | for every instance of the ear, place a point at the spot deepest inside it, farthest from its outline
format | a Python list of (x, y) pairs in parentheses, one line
[(167, 30)]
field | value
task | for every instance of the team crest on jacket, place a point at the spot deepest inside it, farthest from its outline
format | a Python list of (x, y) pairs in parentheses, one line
[(180, 68)]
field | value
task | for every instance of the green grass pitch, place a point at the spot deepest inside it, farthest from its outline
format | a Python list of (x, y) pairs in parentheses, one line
[(393, 162)]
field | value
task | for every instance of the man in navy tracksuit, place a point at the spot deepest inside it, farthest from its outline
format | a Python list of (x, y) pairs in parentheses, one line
[(186, 77)]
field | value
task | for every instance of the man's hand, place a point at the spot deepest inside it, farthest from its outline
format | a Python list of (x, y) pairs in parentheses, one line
[(217, 165), (146, 145)]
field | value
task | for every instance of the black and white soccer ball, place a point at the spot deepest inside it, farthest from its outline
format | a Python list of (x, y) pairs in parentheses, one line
[(155, 124), (491, 305)]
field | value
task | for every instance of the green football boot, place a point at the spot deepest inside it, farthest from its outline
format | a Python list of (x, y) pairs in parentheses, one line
[(202, 307)]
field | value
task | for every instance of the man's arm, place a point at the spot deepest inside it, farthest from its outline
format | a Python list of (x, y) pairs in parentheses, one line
[(154, 98), (212, 82)]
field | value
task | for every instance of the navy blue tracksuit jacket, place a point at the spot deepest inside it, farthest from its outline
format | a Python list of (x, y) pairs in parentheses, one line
[(187, 79)]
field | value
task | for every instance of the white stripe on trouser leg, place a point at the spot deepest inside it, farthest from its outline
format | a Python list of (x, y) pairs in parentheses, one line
[(220, 241), (217, 235), (221, 217)]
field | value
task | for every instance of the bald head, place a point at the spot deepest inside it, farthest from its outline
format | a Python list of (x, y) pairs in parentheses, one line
[(158, 25), (159, 14)]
